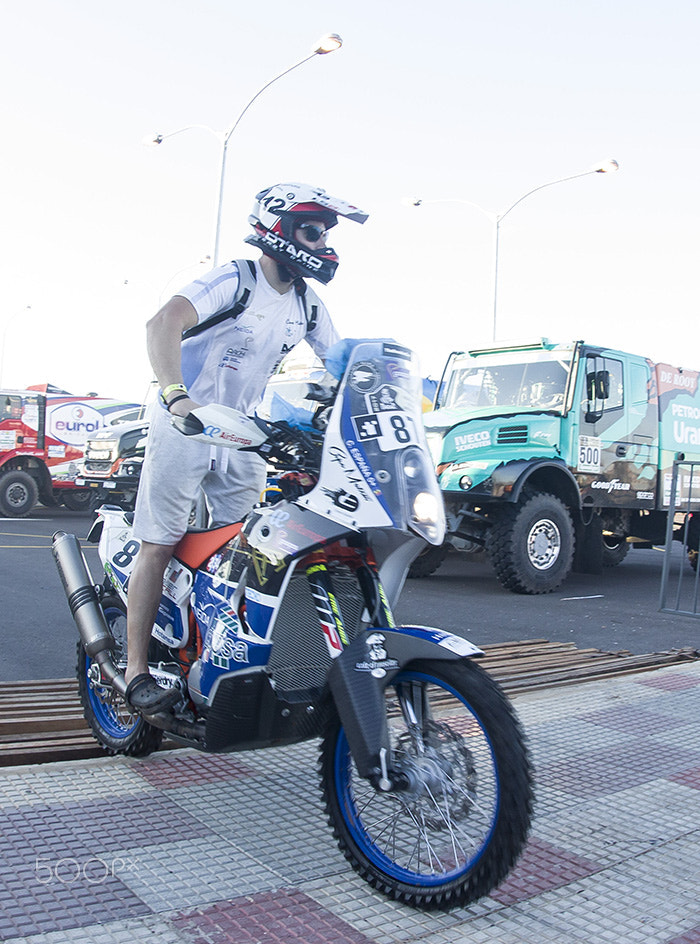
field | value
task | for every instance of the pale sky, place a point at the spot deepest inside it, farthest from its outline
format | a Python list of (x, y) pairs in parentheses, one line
[(456, 102)]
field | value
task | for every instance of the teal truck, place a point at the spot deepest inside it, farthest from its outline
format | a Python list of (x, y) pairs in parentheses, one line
[(554, 457)]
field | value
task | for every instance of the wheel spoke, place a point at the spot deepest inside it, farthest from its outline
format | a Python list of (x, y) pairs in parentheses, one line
[(115, 725), (441, 820)]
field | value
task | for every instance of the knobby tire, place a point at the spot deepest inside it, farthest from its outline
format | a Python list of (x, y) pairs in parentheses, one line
[(447, 845)]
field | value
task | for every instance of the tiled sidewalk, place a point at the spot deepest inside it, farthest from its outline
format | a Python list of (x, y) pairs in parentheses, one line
[(183, 848)]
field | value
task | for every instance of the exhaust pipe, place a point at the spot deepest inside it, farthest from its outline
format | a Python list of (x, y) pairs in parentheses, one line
[(95, 636), (79, 588)]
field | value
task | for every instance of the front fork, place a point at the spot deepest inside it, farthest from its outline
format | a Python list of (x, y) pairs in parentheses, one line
[(325, 600), (356, 680)]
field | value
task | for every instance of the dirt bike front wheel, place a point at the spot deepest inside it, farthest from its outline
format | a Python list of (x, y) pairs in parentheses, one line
[(457, 829), (114, 725)]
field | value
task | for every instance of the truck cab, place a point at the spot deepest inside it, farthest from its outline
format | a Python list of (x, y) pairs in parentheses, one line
[(550, 457), (111, 467), (42, 436)]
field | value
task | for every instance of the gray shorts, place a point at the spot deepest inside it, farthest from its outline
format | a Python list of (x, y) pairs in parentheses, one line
[(175, 468)]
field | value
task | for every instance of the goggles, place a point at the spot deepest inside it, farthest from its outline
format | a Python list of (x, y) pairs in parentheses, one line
[(312, 232)]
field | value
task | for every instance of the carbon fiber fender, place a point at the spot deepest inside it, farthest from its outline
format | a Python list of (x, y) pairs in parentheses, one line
[(360, 674)]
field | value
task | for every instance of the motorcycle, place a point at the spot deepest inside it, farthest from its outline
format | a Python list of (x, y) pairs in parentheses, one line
[(279, 629)]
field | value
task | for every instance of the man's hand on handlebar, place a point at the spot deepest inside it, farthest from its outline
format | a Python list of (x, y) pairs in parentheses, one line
[(183, 407)]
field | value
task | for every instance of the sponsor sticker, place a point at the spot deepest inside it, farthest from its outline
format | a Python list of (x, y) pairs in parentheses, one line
[(367, 426), (377, 662), (467, 441), (396, 350), (384, 399), (614, 485), (364, 377)]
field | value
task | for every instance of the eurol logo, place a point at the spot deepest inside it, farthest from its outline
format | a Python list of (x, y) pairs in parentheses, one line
[(72, 423)]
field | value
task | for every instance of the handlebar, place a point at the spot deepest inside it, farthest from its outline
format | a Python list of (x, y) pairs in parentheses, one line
[(279, 443)]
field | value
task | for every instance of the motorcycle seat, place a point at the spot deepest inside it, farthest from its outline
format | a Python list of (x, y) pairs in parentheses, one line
[(195, 547)]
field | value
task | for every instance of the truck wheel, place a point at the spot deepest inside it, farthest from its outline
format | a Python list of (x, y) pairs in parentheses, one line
[(79, 499), (693, 559), (429, 560), (615, 550), (18, 494), (531, 544)]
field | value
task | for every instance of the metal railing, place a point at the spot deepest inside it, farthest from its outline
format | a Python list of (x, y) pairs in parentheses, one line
[(680, 586)]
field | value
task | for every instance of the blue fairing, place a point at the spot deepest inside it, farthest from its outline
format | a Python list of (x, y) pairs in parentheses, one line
[(228, 646), (169, 619), (359, 453)]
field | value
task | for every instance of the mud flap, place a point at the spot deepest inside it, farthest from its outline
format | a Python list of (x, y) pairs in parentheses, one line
[(359, 676), (588, 555)]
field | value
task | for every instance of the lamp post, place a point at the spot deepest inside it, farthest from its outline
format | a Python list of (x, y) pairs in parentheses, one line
[(326, 44), (605, 167)]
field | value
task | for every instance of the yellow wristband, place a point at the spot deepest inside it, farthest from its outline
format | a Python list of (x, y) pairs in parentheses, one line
[(171, 388)]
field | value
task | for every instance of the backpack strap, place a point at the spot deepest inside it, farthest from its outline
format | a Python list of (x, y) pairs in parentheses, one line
[(310, 303), (247, 277)]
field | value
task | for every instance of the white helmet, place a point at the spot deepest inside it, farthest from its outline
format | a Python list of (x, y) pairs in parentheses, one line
[(278, 212)]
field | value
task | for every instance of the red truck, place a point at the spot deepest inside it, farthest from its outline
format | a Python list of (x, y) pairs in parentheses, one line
[(42, 437)]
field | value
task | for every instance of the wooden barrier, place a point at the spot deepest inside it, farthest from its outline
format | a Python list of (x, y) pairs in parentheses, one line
[(42, 721)]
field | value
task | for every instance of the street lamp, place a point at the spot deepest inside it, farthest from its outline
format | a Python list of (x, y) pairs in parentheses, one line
[(325, 45), (605, 167)]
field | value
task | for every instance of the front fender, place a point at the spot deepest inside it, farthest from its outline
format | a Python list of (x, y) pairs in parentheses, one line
[(407, 643), (359, 675), (509, 479)]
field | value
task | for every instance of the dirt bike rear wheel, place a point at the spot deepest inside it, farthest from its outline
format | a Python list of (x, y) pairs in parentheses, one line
[(454, 835), (114, 725)]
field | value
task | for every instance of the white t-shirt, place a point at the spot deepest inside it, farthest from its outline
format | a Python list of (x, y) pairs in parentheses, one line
[(231, 363)]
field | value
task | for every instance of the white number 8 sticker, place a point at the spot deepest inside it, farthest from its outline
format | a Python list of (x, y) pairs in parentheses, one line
[(397, 431)]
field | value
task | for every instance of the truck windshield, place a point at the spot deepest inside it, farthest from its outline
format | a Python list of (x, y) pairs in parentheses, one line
[(532, 381), (10, 408)]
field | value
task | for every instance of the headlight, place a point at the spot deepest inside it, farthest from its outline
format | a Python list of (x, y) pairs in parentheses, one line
[(99, 449), (426, 508), (421, 499), (412, 467)]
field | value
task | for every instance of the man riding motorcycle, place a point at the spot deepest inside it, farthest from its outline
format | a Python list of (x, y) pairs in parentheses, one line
[(209, 345)]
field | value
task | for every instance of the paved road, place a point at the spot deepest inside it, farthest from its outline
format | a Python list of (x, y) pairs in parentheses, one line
[(618, 610)]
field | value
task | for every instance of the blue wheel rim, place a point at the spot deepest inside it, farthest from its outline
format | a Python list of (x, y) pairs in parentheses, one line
[(117, 724), (357, 800)]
